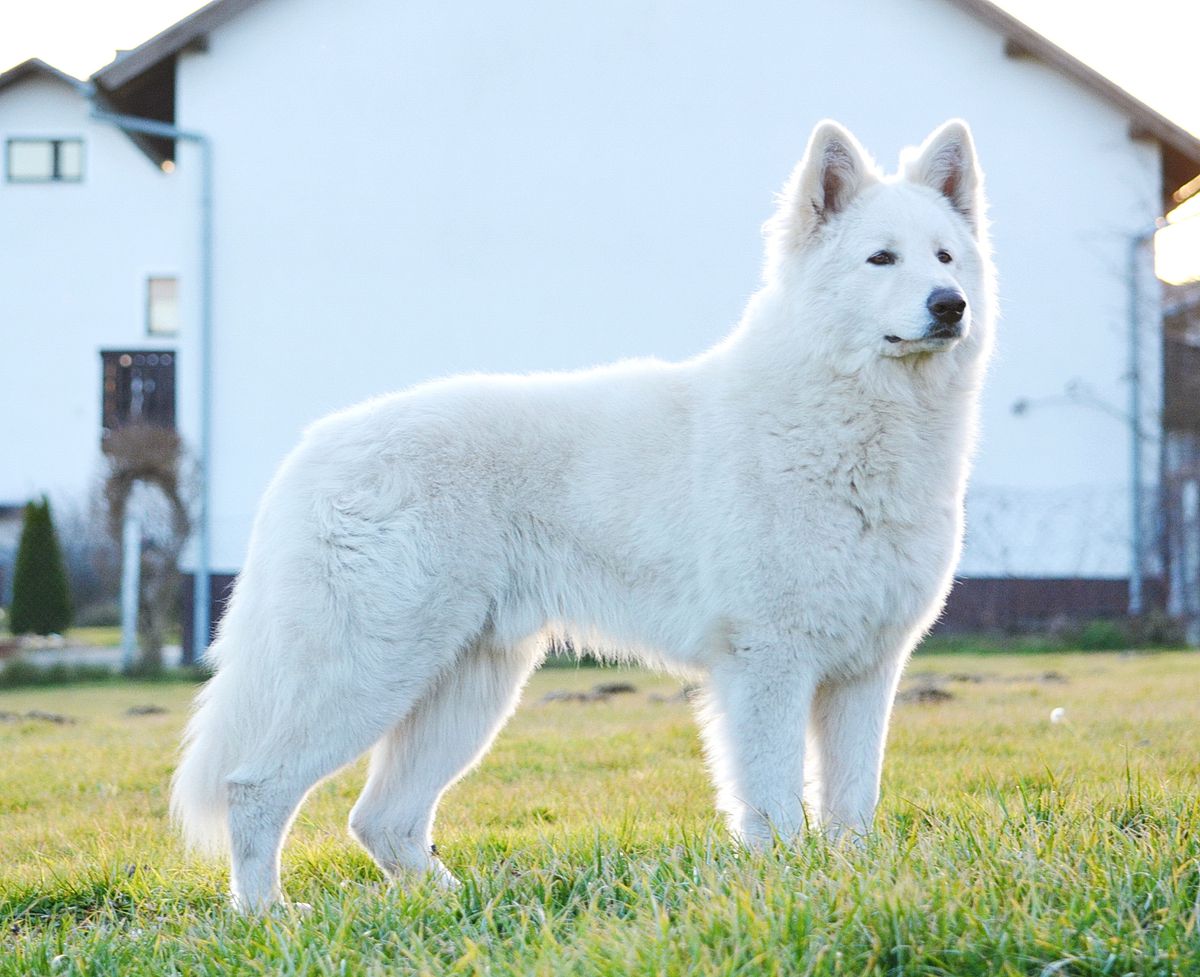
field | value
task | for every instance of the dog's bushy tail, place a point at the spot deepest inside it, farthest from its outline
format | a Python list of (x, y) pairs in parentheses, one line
[(223, 727)]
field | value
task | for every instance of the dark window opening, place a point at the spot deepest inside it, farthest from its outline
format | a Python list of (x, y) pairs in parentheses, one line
[(138, 388), (1181, 367)]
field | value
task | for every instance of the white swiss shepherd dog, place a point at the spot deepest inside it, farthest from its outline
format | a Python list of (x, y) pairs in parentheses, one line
[(780, 515)]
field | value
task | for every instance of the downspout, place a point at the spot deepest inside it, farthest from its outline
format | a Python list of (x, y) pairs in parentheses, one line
[(1137, 494), (201, 590)]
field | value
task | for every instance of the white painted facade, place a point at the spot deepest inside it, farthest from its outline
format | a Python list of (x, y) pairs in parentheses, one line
[(76, 257), (407, 191)]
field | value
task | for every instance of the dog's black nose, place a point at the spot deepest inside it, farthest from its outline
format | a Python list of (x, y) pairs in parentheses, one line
[(947, 306)]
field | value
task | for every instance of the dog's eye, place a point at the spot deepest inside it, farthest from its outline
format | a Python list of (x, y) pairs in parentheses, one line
[(944, 257), (882, 258)]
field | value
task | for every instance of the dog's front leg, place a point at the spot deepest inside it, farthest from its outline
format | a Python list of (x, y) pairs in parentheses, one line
[(850, 722), (754, 725)]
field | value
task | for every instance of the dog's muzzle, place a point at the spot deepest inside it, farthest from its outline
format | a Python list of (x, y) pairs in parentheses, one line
[(946, 306)]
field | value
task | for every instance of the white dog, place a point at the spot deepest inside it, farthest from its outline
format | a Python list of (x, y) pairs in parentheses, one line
[(781, 514)]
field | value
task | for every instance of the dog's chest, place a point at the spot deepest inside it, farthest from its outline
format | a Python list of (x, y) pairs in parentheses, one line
[(863, 530)]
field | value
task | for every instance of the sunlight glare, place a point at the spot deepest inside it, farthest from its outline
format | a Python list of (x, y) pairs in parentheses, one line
[(1177, 245)]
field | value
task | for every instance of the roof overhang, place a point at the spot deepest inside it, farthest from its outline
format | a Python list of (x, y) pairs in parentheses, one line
[(37, 68), (141, 81), (190, 32), (1181, 149)]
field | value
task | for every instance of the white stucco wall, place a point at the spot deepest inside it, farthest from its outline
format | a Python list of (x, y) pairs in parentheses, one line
[(411, 190), (72, 282), (406, 191)]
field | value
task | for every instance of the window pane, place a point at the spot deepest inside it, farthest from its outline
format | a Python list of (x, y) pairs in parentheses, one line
[(162, 305), (70, 159), (30, 159), (139, 387)]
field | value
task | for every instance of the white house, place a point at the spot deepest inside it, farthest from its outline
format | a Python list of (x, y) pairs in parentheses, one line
[(89, 233), (402, 191)]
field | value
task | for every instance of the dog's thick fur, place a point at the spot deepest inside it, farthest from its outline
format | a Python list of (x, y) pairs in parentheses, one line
[(781, 514)]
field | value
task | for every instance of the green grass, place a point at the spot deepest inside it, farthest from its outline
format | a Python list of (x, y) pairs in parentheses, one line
[(99, 636), (1006, 844)]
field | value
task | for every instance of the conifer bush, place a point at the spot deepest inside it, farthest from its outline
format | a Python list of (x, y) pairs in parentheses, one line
[(41, 600)]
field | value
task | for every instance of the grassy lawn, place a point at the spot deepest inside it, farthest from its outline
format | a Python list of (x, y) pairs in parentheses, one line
[(1006, 844), (100, 636)]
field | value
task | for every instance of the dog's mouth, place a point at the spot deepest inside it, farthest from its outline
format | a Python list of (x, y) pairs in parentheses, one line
[(933, 342)]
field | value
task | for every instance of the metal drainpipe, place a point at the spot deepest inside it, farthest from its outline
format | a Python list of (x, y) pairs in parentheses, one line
[(1136, 243), (201, 620), (1135, 425)]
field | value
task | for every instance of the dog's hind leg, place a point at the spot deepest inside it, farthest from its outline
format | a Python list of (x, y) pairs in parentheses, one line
[(439, 741), (323, 722)]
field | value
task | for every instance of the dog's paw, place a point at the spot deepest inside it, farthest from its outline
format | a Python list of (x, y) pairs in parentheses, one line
[(442, 877), (279, 908), (436, 869)]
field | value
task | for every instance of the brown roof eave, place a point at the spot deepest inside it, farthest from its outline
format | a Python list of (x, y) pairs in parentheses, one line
[(1022, 40), (189, 31)]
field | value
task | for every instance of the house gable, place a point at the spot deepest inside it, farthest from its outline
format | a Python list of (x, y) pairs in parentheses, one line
[(141, 82), (37, 68)]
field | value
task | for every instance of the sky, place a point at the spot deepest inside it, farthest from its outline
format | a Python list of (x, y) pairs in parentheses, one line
[(1149, 48)]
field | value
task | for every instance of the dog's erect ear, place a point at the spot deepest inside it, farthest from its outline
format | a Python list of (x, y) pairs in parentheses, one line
[(946, 162), (834, 170)]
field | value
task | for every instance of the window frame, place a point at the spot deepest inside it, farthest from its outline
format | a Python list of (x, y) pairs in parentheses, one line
[(117, 368), (151, 332), (56, 143)]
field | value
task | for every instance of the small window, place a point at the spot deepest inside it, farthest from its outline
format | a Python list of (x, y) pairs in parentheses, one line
[(162, 306), (138, 388), (29, 160), (45, 160)]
